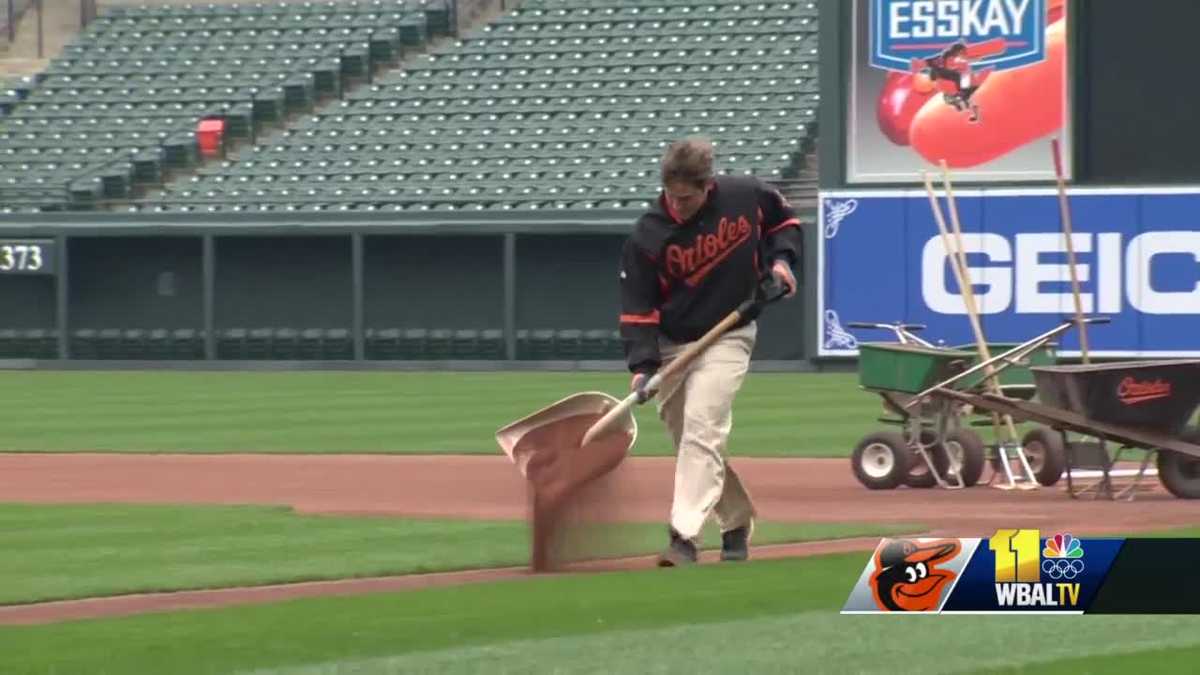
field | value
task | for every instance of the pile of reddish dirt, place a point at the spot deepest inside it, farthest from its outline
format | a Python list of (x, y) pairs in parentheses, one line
[(571, 488)]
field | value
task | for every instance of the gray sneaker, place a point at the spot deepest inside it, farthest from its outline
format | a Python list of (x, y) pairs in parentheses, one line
[(735, 544), (678, 553)]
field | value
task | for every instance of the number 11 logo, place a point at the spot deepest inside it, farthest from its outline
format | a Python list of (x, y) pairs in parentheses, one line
[(1018, 556)]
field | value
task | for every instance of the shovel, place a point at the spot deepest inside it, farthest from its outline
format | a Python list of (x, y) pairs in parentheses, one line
[(616, 414)]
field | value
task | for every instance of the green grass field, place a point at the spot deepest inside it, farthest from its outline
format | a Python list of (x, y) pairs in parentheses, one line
[(328, 412), (74, 551), (761, 617)]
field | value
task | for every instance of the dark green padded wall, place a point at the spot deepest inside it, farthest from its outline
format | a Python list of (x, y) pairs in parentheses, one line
[(291, 282), (27, 302), (135, 282), (434, 282), (568, 282)]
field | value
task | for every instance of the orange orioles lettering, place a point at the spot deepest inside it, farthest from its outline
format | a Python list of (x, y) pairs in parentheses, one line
[(696, 260)]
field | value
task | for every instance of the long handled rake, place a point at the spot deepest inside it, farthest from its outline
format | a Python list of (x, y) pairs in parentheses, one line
[(1005, 430)]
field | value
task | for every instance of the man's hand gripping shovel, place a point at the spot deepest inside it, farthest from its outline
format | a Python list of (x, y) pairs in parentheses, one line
[(768, 292)]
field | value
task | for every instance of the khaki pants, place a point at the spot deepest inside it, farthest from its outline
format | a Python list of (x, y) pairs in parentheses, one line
[(697, 407)]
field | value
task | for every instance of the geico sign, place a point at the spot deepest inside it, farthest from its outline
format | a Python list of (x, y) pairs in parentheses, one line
[(1014, 270)]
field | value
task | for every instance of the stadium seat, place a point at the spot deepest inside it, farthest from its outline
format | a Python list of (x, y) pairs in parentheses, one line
[(466, 344), (232, 344), (259, 344), (598, 345), (108, 343), (187, 343), (285, 344), (134, 344), (414, 344), (571, 86), (382, 344), (28, 343), (440, 344), (568, 344), (535, 345), (492, 345), (309, 344), (337, 344), (11, 346), (85, 344)]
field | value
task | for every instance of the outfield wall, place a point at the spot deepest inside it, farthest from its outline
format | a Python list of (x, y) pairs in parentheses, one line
[(315, 289)]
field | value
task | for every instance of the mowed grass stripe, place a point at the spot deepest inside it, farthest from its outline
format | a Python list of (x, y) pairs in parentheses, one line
[(776, 414), (806, 642), (324, 630), (75, 551), (1169, 659), (764, 616)]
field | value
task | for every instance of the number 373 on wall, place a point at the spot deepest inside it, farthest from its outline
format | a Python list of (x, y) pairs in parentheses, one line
[(27, 256)]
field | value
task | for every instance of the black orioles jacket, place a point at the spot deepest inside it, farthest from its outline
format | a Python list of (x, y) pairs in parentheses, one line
[(680, 278)]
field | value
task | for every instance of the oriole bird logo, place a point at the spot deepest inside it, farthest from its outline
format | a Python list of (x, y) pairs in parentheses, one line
[(906, 577)]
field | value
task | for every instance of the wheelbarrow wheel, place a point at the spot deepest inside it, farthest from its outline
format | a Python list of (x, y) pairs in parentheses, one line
[(1180, 473), (966, 447), (880, 460), (1043, 448), (918, 475)]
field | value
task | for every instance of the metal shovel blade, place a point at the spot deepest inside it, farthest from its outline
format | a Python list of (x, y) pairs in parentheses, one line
[(584, 403)]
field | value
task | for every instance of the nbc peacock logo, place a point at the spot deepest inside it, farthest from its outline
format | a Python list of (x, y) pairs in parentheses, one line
[(1062, 558)]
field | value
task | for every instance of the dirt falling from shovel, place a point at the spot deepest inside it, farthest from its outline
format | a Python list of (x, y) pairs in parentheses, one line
[(571, 489)]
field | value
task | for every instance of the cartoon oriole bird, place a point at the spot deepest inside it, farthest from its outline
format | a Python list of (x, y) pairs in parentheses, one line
[(906, 577)]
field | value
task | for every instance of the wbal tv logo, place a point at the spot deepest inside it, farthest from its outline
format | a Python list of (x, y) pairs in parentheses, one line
[(1028, 575)]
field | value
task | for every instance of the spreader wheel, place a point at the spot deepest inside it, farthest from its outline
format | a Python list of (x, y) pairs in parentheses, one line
[(918, 474), (1044, 451), (966, 449), (880, 460), (1180, 473)]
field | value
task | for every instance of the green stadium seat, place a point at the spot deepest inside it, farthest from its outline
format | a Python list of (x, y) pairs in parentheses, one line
[(186, 343), (568, 344), (85, 344), (233, 344), (260, 344), (11, 345), (338, 344), (381, 344), (414, 344), (310, 344), (135, 344), (599, 345), (558, 89), (535, 345), (37, 343), (110, 344), (492, 345), (286, 344), (465, 344), (440, 345)]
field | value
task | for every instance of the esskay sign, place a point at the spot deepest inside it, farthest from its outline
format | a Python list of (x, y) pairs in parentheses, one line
[(904, 29), (1137, 254)]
